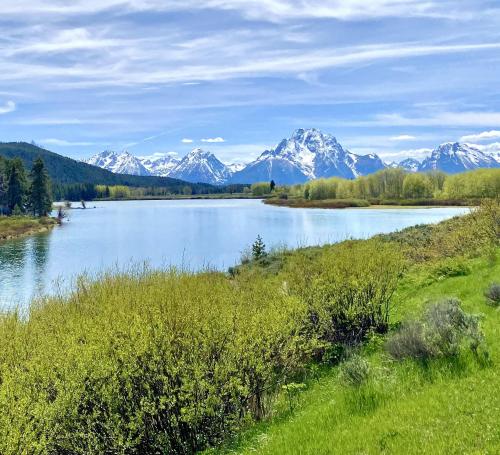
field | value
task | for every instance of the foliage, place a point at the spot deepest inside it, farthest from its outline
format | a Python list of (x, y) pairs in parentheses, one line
[(16, 185), (260, 188), (493, 294), (355, 371), (392, 186), (347, 289), (441, 332), (258, 249), (39, 195)]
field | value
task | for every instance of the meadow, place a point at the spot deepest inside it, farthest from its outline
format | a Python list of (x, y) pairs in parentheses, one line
[(176, 362)]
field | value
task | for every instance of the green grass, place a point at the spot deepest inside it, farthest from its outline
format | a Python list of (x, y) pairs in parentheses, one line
[(448, 407), (17, 226)]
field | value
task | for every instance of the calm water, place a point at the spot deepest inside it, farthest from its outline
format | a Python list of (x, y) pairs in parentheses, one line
[(192, 234)]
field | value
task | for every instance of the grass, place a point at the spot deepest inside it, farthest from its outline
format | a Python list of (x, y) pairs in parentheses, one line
[(448, 407), (18, 226)]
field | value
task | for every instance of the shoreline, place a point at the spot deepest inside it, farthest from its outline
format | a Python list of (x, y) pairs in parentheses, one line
[(12, 228), (330, 204)]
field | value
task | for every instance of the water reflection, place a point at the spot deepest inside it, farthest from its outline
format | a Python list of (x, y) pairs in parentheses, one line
[(192, 234)]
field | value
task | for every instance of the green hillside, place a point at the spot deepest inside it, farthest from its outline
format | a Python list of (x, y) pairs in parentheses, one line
[(67, 171)]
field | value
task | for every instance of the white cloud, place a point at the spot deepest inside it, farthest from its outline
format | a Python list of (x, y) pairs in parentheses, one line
[(493, 148), (187, 141), (9, 106), (403, 137), (484, 136), (64, 143), (214, 140)]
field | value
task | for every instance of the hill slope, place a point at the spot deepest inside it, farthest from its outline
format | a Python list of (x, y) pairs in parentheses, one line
[(440, 408), (64, 170)]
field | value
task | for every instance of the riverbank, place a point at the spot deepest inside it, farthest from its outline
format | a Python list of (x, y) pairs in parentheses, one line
[(175, 362), (373, 203), (12, 227), (174, 197)]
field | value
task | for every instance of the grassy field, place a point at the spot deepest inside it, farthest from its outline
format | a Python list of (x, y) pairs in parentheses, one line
[(444, 407), (18, 226)]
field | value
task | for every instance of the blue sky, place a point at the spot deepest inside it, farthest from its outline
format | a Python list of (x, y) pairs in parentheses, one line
[(393, 77)]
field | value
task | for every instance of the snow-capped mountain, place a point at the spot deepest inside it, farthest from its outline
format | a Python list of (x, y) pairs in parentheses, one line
[(160, 166), (454, 157), (235, 167), (119, 163), (306, 155), (199, 166), (409, 164)]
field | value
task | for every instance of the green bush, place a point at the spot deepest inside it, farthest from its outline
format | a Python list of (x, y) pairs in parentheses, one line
[(355, 371), (493, 295), (441, 332)]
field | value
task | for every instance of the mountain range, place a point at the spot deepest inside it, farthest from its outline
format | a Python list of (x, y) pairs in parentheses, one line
[(307, 154)]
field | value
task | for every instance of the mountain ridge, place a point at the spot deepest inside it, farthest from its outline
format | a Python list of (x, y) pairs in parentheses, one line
[(307, 154)]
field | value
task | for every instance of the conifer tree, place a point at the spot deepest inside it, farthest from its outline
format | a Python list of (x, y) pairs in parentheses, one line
[(258, 249), (39, 197), (16, 186)]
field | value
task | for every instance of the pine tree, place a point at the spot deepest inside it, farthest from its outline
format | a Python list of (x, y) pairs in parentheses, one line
[(258, 249), (272, 185), (40, 197), (16, 185), (3, 185)]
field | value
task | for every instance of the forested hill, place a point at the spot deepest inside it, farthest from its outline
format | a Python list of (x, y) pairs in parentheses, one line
[(67, 171)]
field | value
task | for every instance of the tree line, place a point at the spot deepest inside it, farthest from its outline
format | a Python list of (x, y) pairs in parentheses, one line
[(23, 193), (395, 184)]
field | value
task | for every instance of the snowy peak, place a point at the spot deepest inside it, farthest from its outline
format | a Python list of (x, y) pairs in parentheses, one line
[(201, 166), (308, 154), (119, 163), (409, 165), (161, 165), (454, 157)]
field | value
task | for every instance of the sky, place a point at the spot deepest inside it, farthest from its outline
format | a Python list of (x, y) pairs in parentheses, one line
[(393, 77)]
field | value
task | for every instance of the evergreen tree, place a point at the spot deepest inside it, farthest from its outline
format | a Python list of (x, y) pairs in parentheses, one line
[(16, 185), (40, 197), (258, 249), (3, 185), (272, 185)]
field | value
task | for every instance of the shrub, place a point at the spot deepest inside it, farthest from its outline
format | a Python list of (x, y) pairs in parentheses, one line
[(348, 289), (441, 332), (355, 371), (493, 294), (451, 267), (409, 342)]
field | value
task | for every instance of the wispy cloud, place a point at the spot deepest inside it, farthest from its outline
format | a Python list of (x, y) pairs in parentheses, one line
[(9, 106), (484, 136), (65, 143), (267, 10), (214, 140), (187, 141)]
